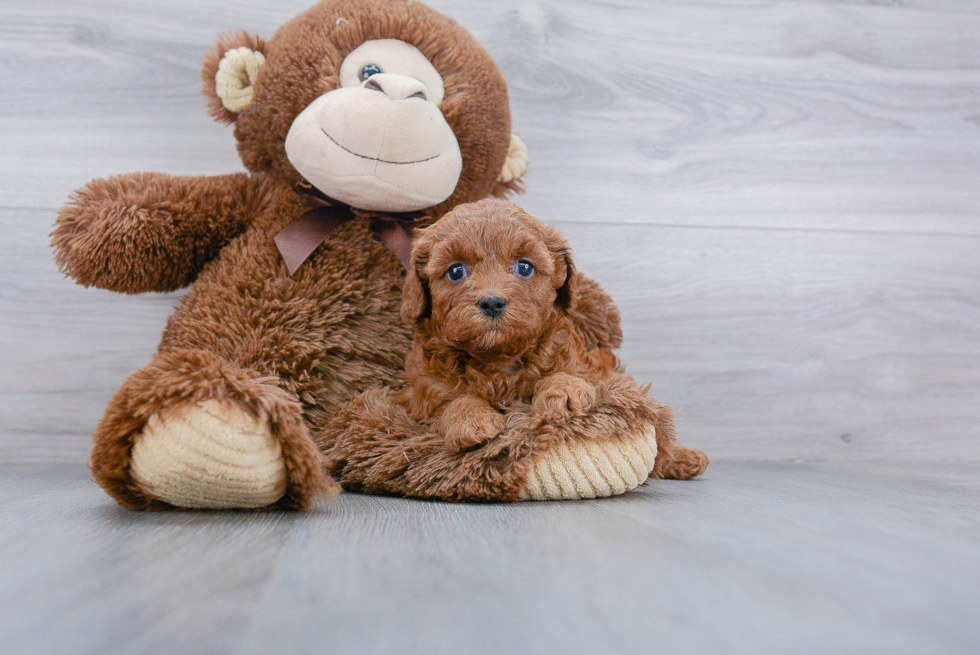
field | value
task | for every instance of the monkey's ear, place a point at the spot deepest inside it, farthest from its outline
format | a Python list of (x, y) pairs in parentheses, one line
[(228, 76), (416, 299), (515, 165)]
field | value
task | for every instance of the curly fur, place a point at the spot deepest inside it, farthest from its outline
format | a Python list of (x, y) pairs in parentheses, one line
[(488, 393)]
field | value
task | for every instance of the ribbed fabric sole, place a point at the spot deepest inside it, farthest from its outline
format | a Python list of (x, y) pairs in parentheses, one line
[(591, 469), (209, 456)]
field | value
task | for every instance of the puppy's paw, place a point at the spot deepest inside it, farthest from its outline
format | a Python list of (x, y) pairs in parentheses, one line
[(562, 395), (469, 431)]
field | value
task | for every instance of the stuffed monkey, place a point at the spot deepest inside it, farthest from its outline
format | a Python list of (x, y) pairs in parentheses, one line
[(357, 121)]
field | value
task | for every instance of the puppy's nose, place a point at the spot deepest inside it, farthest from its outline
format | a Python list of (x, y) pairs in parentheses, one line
[(492, 306)]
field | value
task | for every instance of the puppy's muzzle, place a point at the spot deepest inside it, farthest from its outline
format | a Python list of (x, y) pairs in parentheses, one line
[(492, 305)]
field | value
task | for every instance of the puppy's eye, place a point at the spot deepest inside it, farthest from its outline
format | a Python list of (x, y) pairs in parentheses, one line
[(523, 268), (368, 71), (456, 272)]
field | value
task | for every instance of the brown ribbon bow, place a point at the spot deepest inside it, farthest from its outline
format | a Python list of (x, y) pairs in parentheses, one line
[(297, 241)]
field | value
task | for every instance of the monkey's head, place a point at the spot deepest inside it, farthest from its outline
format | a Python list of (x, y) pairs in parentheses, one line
[(385, 105)]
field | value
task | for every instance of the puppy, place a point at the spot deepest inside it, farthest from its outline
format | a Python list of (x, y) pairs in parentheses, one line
[(491, 291)]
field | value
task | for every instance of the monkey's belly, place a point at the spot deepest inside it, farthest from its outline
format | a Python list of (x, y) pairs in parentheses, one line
[(327, 332)]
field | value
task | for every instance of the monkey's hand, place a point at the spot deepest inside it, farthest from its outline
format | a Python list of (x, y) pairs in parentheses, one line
[(150, 231)]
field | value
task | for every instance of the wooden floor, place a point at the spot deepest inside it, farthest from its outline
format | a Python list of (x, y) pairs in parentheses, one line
[(784, 200), (754, 558)]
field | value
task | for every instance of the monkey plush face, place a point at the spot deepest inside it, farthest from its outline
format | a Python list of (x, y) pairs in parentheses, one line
[(382, 104), (379, 141)]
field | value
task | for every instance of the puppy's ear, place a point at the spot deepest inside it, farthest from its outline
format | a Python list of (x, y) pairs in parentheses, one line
[(567, 296), (416, 299), (565, 279)]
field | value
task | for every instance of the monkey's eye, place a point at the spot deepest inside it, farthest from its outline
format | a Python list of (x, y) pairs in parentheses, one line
[(368, 71), (524, 268), (456, 272)]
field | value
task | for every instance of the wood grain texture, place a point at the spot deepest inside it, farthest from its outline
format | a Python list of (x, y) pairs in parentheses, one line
[(781, 196), (754, 558)]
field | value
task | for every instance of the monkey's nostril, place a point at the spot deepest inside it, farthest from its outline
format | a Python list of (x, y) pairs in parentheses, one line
[(396, 87), (492, 306)]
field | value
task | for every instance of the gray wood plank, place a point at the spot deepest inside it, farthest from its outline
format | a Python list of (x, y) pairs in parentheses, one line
[(89, 577), (845, 116), (836, 557), (29, 480), (796, 344)]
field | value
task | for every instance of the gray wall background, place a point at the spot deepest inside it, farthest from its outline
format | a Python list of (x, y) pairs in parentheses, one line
[(782, 197)]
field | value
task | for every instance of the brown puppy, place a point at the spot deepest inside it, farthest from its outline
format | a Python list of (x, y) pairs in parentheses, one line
[(491, 294)]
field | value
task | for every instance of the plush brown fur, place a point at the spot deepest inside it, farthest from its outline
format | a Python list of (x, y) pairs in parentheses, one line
[(293, 348), (488, 393), (154, 232)]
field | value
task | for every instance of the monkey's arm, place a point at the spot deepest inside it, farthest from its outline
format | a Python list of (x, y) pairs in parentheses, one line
[(595, 315), (150, 231)]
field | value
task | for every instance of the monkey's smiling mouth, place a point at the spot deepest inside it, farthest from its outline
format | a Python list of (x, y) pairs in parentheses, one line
[(383, 161)]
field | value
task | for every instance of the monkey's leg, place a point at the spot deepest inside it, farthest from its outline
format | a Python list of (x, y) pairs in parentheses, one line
[(373, 445), (190, 430)]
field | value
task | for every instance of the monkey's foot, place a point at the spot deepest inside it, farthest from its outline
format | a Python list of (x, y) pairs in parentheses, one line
[(590, 468), (209, 455)]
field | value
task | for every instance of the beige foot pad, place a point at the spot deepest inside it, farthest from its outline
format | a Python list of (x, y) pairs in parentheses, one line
[(209, 455), (591, 469)]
